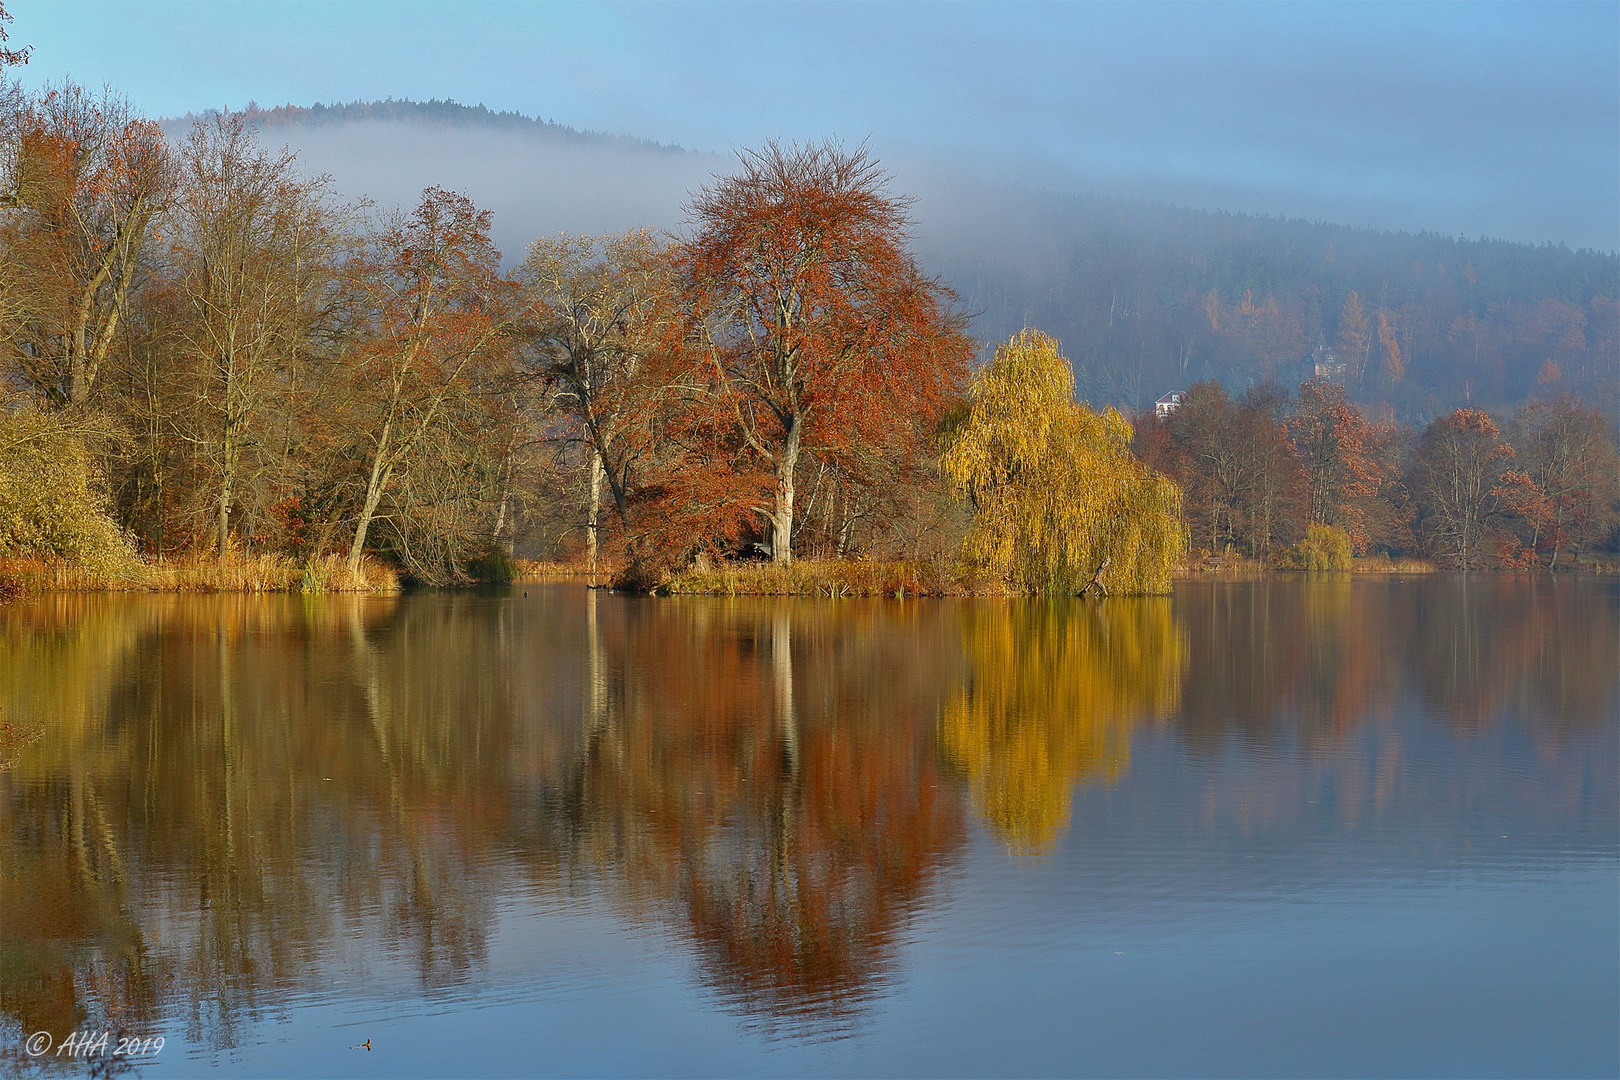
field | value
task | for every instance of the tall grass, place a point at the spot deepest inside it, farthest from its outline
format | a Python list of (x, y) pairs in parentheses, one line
[(244, 573), (1384, 564), (829, 578), (538, 570)]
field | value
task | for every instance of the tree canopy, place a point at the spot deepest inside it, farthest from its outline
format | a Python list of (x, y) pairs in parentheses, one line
[(1061, 505), (813, 326)]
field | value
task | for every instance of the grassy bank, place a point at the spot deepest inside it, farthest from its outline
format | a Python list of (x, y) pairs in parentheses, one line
[(241, 573)]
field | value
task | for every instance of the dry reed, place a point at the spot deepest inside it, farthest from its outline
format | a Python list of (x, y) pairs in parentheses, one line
[(193, 573), (829, 578)]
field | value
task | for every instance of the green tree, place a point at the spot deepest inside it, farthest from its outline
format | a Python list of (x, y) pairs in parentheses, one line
[(1061, 505)]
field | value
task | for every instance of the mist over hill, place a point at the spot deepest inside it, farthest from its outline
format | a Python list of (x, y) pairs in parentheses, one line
[(1146, 297)]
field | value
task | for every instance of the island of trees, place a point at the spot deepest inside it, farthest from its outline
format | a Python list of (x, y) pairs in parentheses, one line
[(218, 374)]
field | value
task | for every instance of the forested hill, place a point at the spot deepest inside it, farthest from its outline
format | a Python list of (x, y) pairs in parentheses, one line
[(449, 114), (1145, 298), (1149, 298)]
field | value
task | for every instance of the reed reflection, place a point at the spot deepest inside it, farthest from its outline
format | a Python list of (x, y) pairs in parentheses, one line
[(1052, 693)]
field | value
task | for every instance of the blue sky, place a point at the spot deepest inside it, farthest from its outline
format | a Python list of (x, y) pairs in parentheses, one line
[(1498, 119)]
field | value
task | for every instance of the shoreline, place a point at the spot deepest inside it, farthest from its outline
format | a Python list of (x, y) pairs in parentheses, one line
[(21, 579)]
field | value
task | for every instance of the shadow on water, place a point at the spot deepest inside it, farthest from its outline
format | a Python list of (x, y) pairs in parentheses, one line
[(236, 801)]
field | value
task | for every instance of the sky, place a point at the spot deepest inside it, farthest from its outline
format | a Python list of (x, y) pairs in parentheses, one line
[(1500, 120)]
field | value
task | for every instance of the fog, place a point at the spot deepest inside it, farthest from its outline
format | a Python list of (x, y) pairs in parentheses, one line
[(548, 181), (990, 237), (535, 185), (1492, 119), (1121, 281)]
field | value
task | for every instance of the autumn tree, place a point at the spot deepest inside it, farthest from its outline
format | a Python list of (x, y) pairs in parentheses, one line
[(436, 317), (811, 325), (84, 177), (1241, 482), (1564, 487), (51, 498), (1453, 481), (1337, 447), (1355, 341), (1389, 348), (1061, 505), (253, 248), (596, 308)]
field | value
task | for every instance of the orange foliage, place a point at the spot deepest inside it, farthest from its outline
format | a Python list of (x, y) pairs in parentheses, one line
[(809, 328)]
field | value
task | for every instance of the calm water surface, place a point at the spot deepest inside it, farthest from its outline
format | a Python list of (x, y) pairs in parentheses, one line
[(1357, 827)]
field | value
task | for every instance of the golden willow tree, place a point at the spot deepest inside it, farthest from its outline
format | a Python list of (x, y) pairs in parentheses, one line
[(1061, 505)]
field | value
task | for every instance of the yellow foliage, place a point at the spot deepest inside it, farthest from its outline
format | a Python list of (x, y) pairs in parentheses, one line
[(1325, 547), (50, 502), (1054, 692), (1061, 505)]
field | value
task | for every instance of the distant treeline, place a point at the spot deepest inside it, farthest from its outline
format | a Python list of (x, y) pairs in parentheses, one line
[(441, 113), (1149, 299), (1307, 479)]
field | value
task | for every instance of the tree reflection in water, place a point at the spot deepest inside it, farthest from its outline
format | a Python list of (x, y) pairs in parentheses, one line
[(762, 773), (237, 801), (1052, 693)]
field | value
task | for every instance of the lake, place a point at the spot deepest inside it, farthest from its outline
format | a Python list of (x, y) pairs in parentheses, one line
[(1281, 827)]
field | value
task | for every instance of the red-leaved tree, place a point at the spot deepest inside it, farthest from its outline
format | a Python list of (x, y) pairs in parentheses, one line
[(810, 326)]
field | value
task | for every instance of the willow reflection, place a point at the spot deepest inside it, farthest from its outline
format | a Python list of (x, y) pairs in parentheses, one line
[(1052, 693)]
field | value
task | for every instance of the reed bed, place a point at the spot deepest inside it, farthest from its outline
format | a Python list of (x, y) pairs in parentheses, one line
[(539, 570), (828, 578), (20, 576), (1384, 564)]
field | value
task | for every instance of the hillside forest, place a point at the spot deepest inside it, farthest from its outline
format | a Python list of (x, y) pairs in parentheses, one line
[(209, 356)]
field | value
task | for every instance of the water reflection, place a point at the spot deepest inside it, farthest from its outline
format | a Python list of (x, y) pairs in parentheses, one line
[(761, 775), (1051, 694), (239, 801)]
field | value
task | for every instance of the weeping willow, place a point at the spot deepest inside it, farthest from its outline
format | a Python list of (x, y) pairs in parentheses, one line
[(1061, 505)]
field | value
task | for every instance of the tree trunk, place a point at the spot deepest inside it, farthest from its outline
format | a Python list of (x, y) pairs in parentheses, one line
[(782, 518), (374, 489), (78, 388), (594, 517), (227, 483), (223, 525), (506, 543)]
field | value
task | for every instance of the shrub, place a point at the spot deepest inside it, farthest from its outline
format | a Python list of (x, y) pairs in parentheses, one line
[(494, 567), (50, 497), (1325, 547)]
